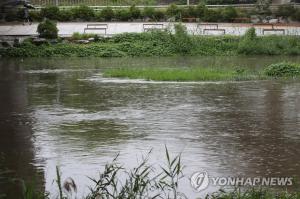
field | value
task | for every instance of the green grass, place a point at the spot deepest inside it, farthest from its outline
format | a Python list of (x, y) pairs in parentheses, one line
[(184, 74)]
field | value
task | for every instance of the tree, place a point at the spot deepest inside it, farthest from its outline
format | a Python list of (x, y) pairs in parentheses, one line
[(262, 9)]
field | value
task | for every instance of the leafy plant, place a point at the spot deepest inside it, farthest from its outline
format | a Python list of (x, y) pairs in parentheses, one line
[(107, 14), (282, 70), (47, 29), (123, 15), (83, 12), (285, 11), (135, 12), (228, 14), (182, 40), (173, 11), (50, 12)]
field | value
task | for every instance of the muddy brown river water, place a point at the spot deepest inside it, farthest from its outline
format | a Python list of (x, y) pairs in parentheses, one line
[(61, 112)]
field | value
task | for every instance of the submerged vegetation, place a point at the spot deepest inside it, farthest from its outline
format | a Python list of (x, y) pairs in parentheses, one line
[(159, 43), (187, 74), (283, 70), (144, 181), (205, 73)]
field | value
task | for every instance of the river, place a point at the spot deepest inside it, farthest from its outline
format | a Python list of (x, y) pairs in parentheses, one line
[(61, 112)]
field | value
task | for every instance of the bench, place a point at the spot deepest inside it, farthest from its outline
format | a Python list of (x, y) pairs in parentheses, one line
[(189, 19), (152, 26), (96, 27), (273, 31), (222, 31), (206, 25)]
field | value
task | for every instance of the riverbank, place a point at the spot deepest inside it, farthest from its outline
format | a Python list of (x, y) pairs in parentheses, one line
[(160, 43)]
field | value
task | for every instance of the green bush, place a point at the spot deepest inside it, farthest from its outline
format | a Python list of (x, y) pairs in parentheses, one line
[(50, 12), (83, 13), (200, 10), (228, 14), (285, 11), (35, 16), (173, 11), (135, 12), (250, 34), (159, 15), (148, 12), (12, 16), (189, 11), (47, 29), (283, 70), (219, 2), (182, 41), (107, 14), (296, 15), (211, 15), (65, 15), (123, 15)]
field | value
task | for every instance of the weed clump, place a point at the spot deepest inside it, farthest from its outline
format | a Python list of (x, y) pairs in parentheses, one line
[(283, 70)]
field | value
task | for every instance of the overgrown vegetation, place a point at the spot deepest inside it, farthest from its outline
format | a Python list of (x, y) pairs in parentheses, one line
[(279, 70), (283, 70), (144, 181), (158, 43), (173, 12)]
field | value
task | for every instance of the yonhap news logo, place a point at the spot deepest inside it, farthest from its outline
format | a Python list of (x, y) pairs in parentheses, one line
[(201, 180)]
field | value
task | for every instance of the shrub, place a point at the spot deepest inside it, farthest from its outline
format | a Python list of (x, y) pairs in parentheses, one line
[(182, 41), (250, 34), (35, 16), (107, 14), (159, 15), (212, 15), (200, 10), (285, 11), (228, 14), (296, 15), (173, 11), (11, 16), (50, 12), (283, 70), (47, 29), (219, 2), (84, 13), (135, 12), (65, 15), (189, 11), (148, 12), (123, 15)]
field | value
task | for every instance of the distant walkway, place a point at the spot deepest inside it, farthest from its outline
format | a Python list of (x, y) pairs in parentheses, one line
[(67, 29)]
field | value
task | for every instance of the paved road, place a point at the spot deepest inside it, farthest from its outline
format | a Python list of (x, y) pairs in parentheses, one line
[(67, 29)]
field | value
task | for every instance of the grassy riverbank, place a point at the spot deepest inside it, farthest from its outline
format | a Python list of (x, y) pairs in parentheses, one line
[(160, 43), (280, 70)]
